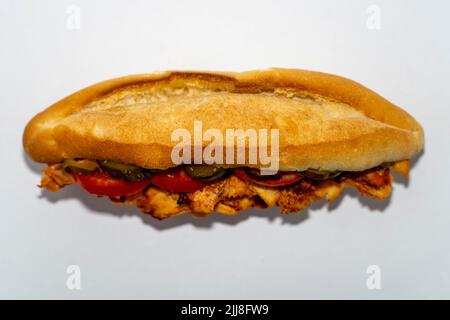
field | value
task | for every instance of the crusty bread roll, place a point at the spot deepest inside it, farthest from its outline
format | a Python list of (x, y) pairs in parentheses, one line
[(325, 122)]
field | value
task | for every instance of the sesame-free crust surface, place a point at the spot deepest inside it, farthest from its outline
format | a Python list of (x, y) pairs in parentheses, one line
[(324, 121)]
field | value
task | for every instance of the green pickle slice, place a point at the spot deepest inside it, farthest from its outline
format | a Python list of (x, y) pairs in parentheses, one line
[(79, 166), (316, 174), (205, 172), (127, 172)]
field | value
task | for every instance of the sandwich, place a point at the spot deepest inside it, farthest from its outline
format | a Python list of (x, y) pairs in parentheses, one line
[(182, 142)]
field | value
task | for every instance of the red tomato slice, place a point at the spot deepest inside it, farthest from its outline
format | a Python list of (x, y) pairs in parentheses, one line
[(102, 184), (177, 180), (279, 180)]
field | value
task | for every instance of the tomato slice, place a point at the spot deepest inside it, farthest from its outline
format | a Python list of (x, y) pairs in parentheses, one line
[(279, 180), (102, 184), (177, 180)]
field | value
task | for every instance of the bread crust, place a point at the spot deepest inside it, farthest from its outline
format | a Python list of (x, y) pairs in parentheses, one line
[(325, 121)]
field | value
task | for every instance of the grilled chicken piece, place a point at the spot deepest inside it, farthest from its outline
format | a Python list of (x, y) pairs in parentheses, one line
[(232, 195)]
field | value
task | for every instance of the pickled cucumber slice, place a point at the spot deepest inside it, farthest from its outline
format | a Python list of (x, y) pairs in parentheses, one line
[(205, 172), (79, 166), (316, 174), (127, 172)]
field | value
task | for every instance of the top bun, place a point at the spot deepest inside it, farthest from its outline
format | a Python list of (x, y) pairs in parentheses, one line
[(325, 122)]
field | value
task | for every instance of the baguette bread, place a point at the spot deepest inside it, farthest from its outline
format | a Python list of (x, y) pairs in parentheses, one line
[(325, 122), (332, 133)]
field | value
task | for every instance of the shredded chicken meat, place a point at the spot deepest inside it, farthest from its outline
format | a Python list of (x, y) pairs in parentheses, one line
[(232, 195)]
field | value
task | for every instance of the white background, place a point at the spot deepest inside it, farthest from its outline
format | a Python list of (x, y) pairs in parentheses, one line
[(323, 253)]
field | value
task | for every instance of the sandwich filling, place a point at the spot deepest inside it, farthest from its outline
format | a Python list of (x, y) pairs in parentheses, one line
[(202, 189)]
